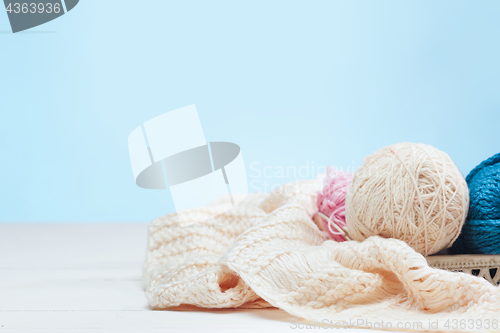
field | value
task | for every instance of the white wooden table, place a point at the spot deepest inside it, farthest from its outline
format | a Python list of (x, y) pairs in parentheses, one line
[(88, 277)]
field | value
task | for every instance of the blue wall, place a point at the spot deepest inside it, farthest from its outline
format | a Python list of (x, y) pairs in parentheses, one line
[(293, 83)]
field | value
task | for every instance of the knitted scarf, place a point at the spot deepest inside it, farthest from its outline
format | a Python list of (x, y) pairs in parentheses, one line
[(267, 252)]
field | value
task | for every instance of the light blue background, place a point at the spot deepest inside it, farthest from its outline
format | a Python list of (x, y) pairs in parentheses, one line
[(318, 82)]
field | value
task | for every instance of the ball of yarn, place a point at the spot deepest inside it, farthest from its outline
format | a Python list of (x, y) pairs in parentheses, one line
[(481, 231), (412, 192), (331, 201)]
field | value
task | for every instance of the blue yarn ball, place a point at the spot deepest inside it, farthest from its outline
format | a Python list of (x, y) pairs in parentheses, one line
[(481, 231)]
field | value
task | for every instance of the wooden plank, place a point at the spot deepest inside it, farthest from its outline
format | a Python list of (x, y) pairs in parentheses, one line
[(72, 290), (146, 321), (72, 245)]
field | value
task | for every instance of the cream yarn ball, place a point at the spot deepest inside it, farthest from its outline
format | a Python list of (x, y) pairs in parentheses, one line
[(412, 192)]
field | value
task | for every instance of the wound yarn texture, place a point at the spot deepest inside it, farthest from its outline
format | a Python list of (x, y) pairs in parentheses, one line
[(412, 192), (481, 231), (331, 200)]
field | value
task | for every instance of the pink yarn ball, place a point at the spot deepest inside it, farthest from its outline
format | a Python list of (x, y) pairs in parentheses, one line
[(331, 201)]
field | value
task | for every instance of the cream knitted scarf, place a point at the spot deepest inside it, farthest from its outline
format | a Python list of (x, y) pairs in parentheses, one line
[(267, 252)]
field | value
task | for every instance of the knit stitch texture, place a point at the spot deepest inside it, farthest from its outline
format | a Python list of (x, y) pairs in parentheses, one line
[(481, 231), (267, 252)]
